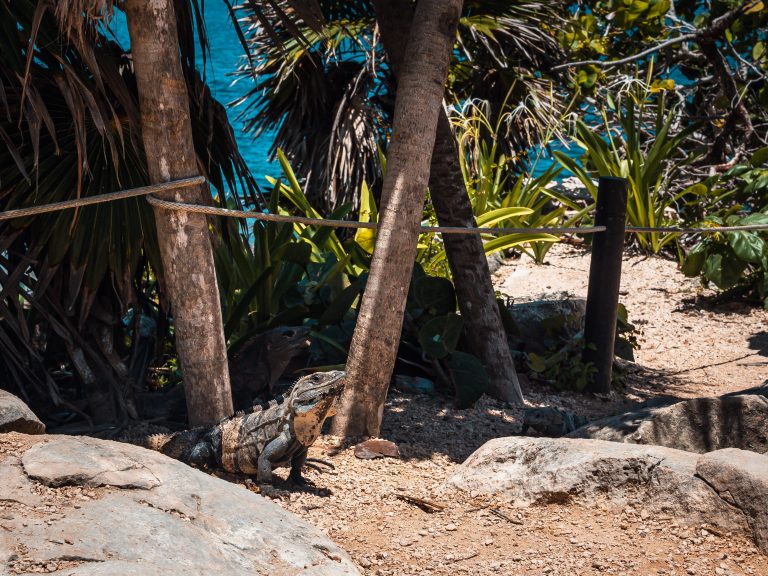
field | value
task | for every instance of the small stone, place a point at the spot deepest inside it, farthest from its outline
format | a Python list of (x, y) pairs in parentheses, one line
[(451, 527)]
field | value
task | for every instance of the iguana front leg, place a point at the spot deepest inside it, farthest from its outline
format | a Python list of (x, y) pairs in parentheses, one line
[(272, 452), (297, 464)]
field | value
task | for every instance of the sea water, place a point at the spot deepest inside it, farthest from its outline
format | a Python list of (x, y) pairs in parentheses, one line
[(226, 54)]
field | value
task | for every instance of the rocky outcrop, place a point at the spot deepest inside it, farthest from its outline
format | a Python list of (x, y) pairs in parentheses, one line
[(687, 486), (741, 480), (90, 506), (15, 416), (698, 425), (538, 324)]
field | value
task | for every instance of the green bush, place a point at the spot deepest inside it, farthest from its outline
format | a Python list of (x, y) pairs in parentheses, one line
[(733, 260)]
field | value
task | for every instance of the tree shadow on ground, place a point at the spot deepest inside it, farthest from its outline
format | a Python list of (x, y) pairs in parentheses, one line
[(428, 427), (759, 343), (719, 303)]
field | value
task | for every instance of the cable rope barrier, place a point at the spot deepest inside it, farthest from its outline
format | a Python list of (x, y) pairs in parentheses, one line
[(152, 189)]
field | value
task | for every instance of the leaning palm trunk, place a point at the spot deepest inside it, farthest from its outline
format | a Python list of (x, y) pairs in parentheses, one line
[(185, 245), (466, 257), (380, 320)]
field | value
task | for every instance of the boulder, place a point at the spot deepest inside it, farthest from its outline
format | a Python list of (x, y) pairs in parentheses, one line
[(111, 508), (741, 479), (698, 425), (692, 488), (541, 323), (15, 416)]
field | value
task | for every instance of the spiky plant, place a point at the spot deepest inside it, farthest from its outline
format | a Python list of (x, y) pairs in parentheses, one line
[(69, 128), (329, 96)]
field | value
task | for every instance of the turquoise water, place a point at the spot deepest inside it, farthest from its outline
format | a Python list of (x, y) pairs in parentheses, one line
[(224, 59), (225, 56)]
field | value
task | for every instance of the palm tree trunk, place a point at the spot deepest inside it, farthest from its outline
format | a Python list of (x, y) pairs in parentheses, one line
[(379, 323), (185, 244), (466, 257)]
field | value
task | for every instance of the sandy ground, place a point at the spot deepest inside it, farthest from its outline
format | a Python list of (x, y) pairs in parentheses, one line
[(696, 346), (688, 348)]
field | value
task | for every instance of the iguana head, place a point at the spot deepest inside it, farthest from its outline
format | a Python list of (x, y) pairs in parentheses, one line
[(313, 399)]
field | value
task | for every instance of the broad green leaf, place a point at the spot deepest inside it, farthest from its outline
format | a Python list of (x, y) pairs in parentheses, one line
[(440, 335), (366, 237), (469, 377), (511, 240), (340, 305), (723, 269), (758, 50), (760, 157), (694, 261), (493, 217), (756, 218), (746, 245), (434, 294)]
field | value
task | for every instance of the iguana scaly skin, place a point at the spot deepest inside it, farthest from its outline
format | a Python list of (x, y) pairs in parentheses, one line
[(259, 441)]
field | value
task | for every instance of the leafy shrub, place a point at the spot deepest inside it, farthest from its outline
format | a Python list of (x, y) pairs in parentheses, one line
[(730, 259), (637, 144), (501, 196), (562, 365), (733, 259)]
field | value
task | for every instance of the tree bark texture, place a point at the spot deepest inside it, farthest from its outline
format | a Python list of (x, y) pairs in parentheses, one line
[(380, 320), (184, 238), (466, 257)]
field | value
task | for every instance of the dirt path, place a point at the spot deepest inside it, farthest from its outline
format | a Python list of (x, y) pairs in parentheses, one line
[(697, 348), (687, 350)]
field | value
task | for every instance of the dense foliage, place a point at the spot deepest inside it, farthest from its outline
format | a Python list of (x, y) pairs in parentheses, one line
[(671, 95)]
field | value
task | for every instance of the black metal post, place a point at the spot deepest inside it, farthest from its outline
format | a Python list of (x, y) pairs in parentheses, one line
[(604, 281)]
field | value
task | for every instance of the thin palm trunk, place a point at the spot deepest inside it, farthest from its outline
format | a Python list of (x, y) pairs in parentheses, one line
[(379, 324), (466, 257), (184, 239)]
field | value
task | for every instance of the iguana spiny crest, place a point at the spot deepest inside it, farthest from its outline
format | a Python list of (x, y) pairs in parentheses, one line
[(259, 441)]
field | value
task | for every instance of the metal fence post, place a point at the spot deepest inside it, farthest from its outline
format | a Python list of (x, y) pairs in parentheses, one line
[(604, 281)]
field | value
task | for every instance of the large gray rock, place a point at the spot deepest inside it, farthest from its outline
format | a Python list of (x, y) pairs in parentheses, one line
[(698, 425), (741, 479), (15, 416), (537, 324), (690, 487), (147, 514)]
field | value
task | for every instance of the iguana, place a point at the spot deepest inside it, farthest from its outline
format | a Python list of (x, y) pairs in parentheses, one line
[(263, 439), (257, 364)]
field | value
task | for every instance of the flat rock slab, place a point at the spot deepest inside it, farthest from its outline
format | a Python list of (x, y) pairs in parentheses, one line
[(15, 416), (687, 486), (89, 507), (741, 479), (698, 425)]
